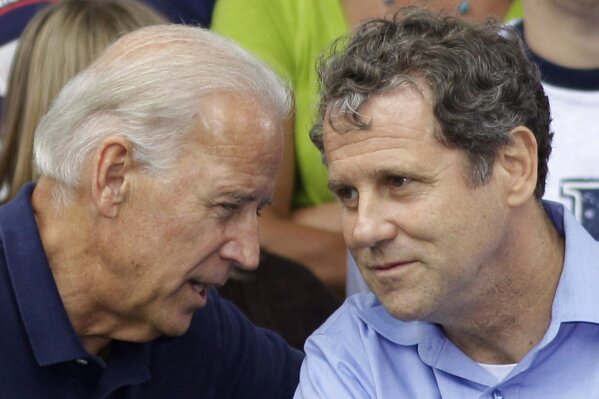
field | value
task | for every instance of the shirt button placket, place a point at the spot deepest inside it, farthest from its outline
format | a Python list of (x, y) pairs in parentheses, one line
[(497, 394)]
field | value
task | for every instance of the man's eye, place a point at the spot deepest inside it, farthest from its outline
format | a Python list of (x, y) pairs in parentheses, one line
[(398, 181), (348, 196), (226, 209), (346, 193)]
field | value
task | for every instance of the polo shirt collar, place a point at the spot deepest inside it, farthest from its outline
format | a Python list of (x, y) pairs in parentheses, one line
[(50, 332)]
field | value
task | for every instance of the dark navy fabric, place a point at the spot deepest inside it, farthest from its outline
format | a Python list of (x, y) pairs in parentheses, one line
[(221, 356), (14, 16), (187, 12)]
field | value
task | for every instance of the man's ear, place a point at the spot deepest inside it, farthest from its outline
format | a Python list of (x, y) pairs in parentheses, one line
[(519, 163), (112, 163)]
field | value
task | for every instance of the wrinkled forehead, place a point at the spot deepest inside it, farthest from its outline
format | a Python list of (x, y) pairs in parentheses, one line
[(408, 105), (346, 112), (235, 122)]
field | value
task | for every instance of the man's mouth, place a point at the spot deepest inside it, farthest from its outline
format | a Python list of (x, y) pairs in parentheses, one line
[(200, 288), (391, 265)]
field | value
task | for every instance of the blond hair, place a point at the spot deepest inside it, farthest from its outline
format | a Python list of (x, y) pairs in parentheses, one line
[(59, 41)]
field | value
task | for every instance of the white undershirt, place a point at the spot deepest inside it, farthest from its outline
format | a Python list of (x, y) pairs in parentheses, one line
[(499, 371)]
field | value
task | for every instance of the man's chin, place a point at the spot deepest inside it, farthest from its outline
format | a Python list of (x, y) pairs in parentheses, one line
[(176, 328), (404, 310)]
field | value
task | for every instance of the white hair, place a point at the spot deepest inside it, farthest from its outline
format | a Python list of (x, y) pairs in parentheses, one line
[(147, 87)]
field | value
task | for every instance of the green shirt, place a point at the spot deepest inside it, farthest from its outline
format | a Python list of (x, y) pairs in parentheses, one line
[(289, 35)]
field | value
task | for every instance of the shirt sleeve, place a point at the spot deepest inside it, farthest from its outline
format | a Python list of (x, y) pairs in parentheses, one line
[(330, 370)]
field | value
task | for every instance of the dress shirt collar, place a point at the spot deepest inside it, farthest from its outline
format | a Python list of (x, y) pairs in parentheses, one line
[(577, 296)]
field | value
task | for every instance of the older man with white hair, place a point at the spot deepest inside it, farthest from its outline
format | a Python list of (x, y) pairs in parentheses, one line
[(154, 164)]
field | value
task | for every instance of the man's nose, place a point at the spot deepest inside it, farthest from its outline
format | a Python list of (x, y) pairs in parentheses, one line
[(243, 247), (370, 224)]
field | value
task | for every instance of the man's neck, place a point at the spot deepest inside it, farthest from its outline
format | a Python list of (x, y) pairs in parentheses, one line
[(77, 255), (62, 232), (513, 318), (562, 34)]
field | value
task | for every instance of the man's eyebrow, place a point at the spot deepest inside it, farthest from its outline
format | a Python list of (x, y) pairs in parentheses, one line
[(240, 198), (334, 185)]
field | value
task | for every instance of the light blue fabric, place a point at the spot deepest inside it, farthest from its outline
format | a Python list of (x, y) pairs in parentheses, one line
[(354, 283), (362, 352)]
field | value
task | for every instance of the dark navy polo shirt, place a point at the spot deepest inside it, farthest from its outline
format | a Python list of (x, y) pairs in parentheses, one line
[(14, 16), (221, 356)]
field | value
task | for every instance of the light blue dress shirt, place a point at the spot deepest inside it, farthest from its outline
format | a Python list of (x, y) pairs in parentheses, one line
[(362, 352)]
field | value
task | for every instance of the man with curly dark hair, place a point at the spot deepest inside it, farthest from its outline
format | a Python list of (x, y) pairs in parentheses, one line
[(435, 132)]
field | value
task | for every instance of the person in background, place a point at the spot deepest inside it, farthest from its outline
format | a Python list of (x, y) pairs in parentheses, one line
[(154, 163), (515, 11), (304, 222), (562, 37), (16, 14), (59, 42), (197, 13), (436, 135)]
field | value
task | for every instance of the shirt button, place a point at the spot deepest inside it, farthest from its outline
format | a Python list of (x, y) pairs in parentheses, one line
[(497, 394), (82, 361)]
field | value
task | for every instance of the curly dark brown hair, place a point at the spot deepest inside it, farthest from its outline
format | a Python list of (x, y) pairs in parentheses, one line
[(482, 82)]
